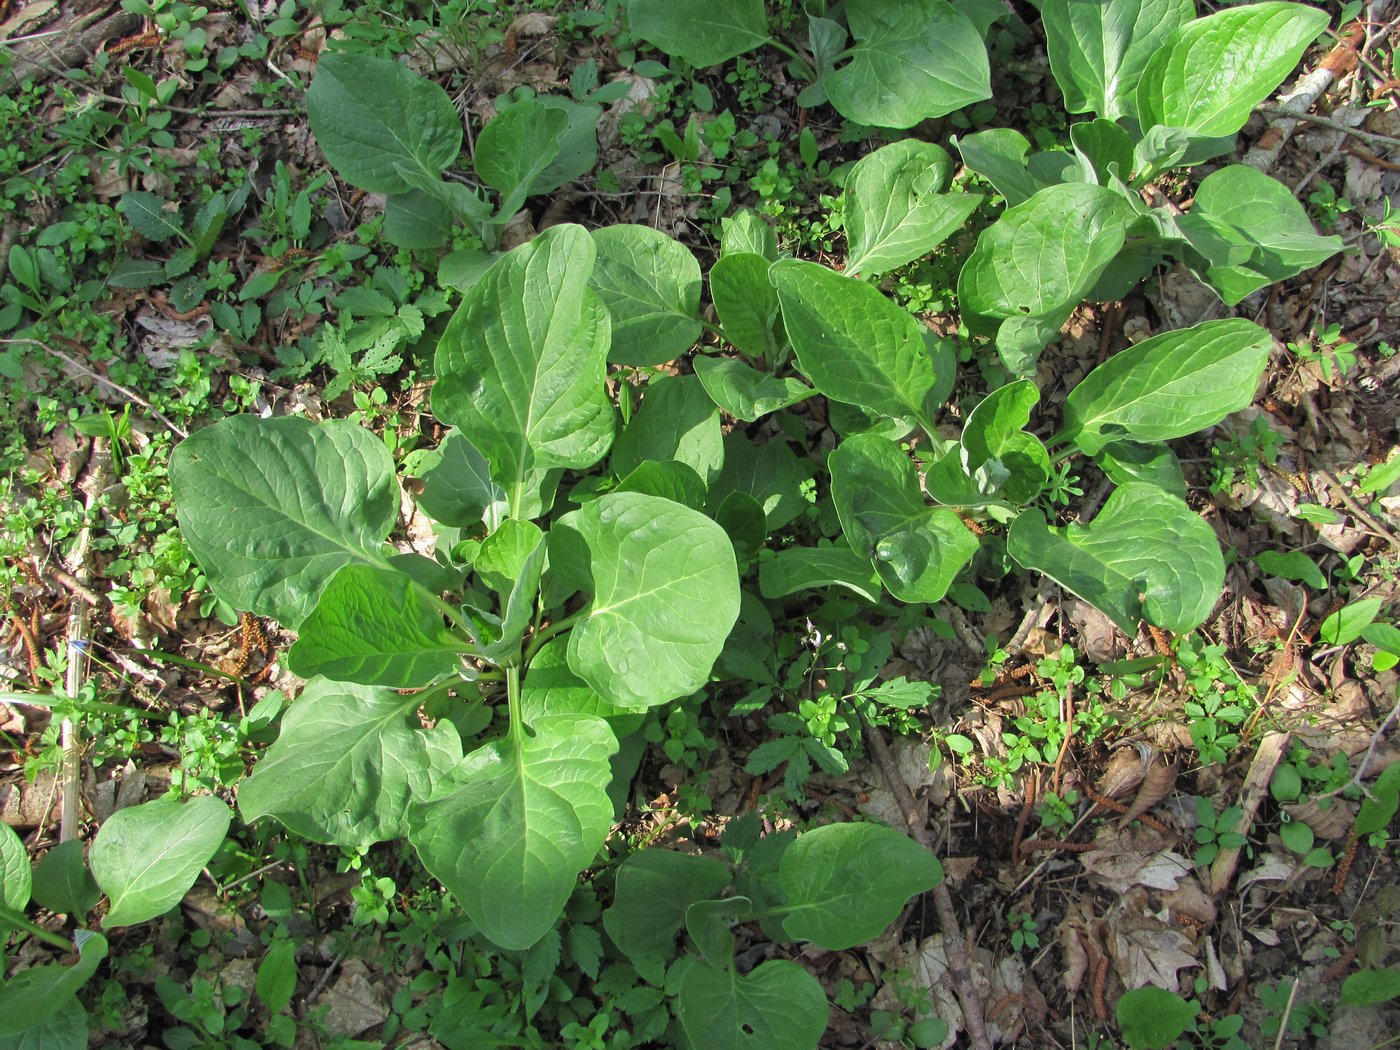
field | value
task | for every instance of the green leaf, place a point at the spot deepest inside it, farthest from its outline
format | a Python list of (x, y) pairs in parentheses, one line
[(277, 976), (1152, 1018), (845, 883), (654, 888), (708, 923), (347, 763), (1346, 624), (668, 479), (417, 220), (457, 485), (996, 460), (917, 549), (1377, 811), (911, 61), (677, 421), (769, 472), (855, 344), (665, 593), (16, 875), (1211, 72), (1146, 555), (1099, 48), (808, 568), (147, 857), (1384, 636), (897, 207), (273, 508), (34, 995), (747, 233), (746, 393), (1105, 147), (521, 366), (1296, 836), (66, 1030), (516, 147), (999, 156), (1291, 565), (1251, 232), (776, 1006), (650, 284), (373, 116), (62, 882), (1041, 257), (374, 626), (1168, 386), (148, 215), (136, 273), (577, 146), (747, 304), (1369, 987), (703, 32), (1125, 461), (521, 818)]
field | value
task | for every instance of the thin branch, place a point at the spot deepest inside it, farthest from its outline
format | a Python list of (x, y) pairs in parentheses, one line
[(1357, 133)]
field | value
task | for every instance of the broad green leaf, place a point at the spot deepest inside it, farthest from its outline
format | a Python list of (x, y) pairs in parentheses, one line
[(911, 61), (769, 472), (1377, 811), (374, 626), (550, 688), (1369, 987), (709, 922), (1251, 232), (1291, 565), (147, 214), (1099, 48), (747, 232), (64, 1030), (417, 220), (1168, 386), (273, 508), (34, 995), (1040, 258), (1384, 636), (1211, 72), (898, 208), (845, 883), (917, 549), (346, 764), (703, 32), (746, 393), (16, 875), (740, 515), (677, 421), (1146, 555), (854, 343), (808, 568), (665, 593), (1105, 147), (1152, 1017), (514, 149), (999, 156), (520, 819), (147, 857), (650, 284), (62, 882), (1125, 461), (1346, 624), (277, 975), (521, 366), (463, 268), (654, 888), (746, 304), (668, 479), (373, 116), (457, 485), (996, 460), (577, 146), (776, 1006)]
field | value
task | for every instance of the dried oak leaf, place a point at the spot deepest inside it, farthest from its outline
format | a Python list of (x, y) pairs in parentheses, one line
[(1145, 950)]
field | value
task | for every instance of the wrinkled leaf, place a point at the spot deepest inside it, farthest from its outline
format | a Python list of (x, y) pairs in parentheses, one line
[(703, 32), (677, 421), (653, 890), (746, 393), (776, 1006), (1099, 48), (650, 284)]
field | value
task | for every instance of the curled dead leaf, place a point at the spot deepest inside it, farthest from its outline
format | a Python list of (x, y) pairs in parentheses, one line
[(1156, 785), (1330, 819), (1125, 771)]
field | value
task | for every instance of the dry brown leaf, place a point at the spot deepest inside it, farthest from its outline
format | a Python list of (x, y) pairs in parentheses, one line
[(1156, 785), (1121, 870), (1015, 1006), (1333, 822), (1144, 950), (1124, 772), (1189, 901)]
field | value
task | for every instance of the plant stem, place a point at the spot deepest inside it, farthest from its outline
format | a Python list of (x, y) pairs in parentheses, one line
[(15, 918), (517, 722)]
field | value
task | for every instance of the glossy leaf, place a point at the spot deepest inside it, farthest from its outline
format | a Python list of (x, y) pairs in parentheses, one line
[(996, 460), (897, 207), (16, 875), (516, 147), (521, 818), (746, 303), (776, 1006), (346, 764), (520, 368), (1211, 72), (457, 485), (373, 116), (375, 626), (664, 595), (747, 232), (1099, 48), (853, 343), (654, 889), (1168, 386), (650, 284), (1125, 461), (1251, 232), (273, 508), (703, 32), (771, 473), (746, 393), (677, 421), (917, 549), (34, 995), (808, 568), (911, 61), (1146, 555), (147, 857), (999, 156), (62, 882), (845, 883)]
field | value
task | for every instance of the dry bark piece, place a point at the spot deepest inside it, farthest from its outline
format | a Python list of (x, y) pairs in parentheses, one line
[(1256, 783)]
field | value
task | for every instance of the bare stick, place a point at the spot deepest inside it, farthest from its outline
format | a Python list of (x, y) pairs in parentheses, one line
[(954, 946)]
